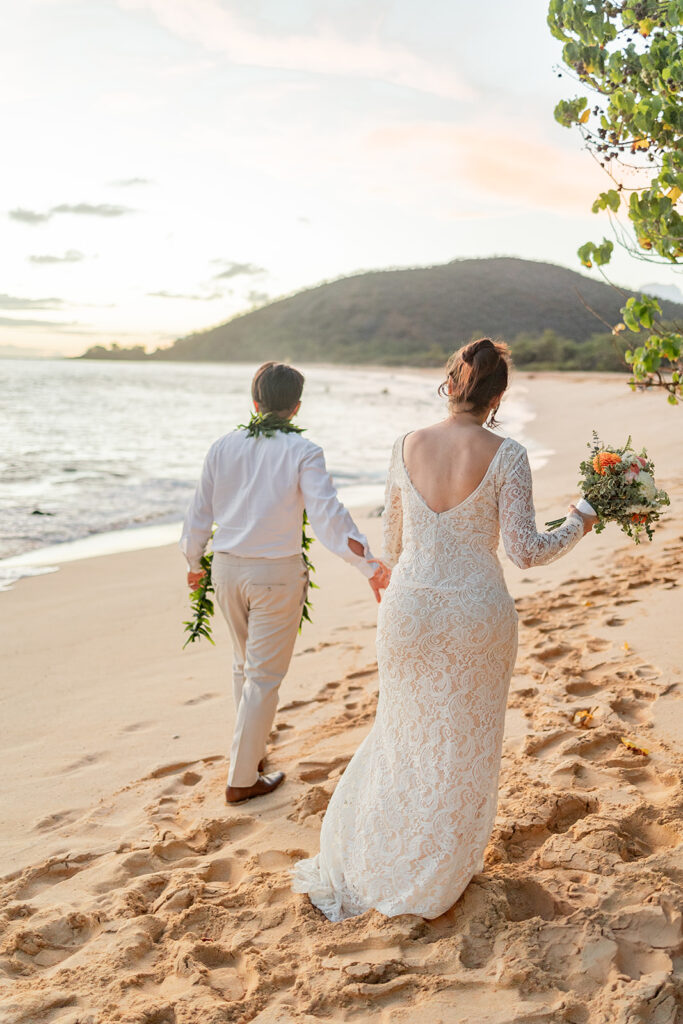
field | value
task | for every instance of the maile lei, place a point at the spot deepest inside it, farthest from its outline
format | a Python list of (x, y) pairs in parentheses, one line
[(259, 425)]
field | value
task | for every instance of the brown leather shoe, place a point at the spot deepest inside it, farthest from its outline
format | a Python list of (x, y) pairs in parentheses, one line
[(264, 784)]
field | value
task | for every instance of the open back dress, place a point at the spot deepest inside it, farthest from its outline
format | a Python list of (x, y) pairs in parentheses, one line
[(409, 821)]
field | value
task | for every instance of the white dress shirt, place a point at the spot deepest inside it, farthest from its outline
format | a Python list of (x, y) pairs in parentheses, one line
[(255, 489)]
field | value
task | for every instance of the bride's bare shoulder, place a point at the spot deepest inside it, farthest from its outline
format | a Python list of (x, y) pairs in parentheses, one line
[(479, 442)]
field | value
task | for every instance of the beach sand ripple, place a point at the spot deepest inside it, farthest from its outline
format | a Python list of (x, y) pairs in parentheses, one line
[(188, 917)]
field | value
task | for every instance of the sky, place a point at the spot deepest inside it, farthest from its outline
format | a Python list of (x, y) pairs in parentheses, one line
[(168, 164)]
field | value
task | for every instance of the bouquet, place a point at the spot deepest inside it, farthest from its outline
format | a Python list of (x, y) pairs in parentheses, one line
[(618, 486)]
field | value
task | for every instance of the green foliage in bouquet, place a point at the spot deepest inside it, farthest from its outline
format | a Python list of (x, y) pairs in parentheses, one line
[(629, 54), (622, 491), (259, 425), (619, 483)]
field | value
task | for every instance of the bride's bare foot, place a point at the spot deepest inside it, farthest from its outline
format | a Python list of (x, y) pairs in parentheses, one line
[(264, 784)]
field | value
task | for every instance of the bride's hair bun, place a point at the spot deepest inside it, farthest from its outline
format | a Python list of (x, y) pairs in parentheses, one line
[(481, 353), (478, 373)]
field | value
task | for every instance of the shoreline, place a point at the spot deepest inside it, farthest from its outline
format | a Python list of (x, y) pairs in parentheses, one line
[(357, 497), (49, 559)]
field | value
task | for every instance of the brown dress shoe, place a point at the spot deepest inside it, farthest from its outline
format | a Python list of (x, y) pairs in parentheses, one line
[(264, 784)]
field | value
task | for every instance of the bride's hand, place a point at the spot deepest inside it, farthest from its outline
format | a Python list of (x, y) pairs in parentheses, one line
[(588, 521), (380, 580)]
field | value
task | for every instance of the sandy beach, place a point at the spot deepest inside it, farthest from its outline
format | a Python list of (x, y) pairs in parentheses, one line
[(130, 893)]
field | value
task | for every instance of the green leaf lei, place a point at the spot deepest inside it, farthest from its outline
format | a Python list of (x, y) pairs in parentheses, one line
[(259, 425)]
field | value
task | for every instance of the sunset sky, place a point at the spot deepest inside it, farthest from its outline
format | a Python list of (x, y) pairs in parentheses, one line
[(169, 163)]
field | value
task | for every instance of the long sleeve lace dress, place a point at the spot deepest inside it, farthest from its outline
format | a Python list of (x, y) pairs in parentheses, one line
[(409, 821)]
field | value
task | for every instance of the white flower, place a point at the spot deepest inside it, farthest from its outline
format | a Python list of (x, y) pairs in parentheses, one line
[(648, 488)]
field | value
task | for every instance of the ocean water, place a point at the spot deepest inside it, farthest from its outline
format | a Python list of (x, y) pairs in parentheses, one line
[(106, 451)]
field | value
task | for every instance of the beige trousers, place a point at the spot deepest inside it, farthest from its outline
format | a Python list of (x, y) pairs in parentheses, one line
[(261, 599)]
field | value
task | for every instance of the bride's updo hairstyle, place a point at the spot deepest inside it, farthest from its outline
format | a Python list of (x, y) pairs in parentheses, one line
[(479, 373)]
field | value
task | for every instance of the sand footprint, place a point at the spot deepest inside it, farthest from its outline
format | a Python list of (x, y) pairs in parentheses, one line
[(54, 820), (582, 688), (551, 652), (313, 802), (33, 881), (201, 699), (138, 726), (630, 710), (320, 771), (85, 762), (176, 767), (213, 834)]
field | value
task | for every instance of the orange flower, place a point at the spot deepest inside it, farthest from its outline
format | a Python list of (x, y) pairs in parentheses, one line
[(604, 459), (638, 518)]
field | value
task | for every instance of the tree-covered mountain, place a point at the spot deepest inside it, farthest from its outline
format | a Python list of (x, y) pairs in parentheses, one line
[(416, 316)]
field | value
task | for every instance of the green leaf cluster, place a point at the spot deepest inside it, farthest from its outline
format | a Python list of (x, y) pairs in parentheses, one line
[(202, 606), (268, 423), (628, 54)]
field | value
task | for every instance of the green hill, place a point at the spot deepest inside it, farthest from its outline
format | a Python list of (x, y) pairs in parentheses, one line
[(417, 316)]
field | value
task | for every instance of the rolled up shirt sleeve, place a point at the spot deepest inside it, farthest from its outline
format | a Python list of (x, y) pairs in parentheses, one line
[(198, 522), (331, 522)]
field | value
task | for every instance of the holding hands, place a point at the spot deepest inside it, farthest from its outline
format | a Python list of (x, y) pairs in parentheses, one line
[(380, 580)]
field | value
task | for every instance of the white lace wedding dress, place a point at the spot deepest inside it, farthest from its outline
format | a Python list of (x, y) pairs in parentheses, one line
[(408, 823)]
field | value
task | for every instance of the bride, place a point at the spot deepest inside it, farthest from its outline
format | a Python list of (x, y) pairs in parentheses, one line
[(409, 821)]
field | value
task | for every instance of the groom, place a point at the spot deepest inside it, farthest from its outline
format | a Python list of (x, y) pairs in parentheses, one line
[(255, 485)]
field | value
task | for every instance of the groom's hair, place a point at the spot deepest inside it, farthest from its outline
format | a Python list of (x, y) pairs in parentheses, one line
[(277, 387)]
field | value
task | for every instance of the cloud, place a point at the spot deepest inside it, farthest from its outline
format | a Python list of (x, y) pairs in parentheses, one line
[(180, 295), (8, 321), (130, 182), (14, 302), (520, 167), (494, 165), (81, 209), (90, 210), (70, 256), (28, 216), (324, 51), (233, 269), (258, 298)]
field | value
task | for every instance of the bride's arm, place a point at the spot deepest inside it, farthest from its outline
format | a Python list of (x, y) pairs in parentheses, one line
[(524, 545), (392, 517)]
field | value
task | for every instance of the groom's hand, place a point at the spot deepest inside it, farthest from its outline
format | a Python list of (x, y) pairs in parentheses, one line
[(195, 578), (380, 580)]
